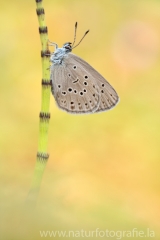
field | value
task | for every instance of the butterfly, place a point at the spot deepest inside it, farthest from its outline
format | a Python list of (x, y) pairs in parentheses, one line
[(76, 86)]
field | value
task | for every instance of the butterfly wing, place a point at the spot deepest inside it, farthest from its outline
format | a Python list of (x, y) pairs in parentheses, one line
[(73, 87), (108, 96)]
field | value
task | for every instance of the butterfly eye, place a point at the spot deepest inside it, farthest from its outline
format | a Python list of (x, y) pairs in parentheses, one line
[(68, 47)]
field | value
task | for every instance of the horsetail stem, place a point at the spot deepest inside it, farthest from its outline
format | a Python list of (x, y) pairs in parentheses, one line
[(44, 116)]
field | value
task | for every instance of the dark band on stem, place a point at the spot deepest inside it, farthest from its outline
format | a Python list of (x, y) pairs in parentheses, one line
[(38, 1), (40, 11), (46, 83), (46, 53), (43, 30), (44, 116), (42, 156)]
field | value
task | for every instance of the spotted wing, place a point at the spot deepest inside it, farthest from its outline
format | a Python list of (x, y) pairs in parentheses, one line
[(108, 96), (73, 87)]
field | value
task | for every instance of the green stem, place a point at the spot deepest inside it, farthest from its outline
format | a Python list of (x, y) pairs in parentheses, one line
[(42, 155)]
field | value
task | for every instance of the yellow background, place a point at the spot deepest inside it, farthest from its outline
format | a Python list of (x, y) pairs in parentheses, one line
[(103, 170)]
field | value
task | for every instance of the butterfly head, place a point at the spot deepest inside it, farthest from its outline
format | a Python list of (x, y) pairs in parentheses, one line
[(58, 55), (68, 47)]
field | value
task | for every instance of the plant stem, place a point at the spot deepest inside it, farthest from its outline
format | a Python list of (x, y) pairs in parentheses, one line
[(44, 116)]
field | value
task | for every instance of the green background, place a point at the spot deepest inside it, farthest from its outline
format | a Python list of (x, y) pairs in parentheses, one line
[(103, 170)]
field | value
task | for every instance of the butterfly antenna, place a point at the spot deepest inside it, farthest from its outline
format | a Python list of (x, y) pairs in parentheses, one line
[(75, 31), (81, 39)]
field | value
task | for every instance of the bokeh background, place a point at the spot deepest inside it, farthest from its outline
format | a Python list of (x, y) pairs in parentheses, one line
[(103, 170)]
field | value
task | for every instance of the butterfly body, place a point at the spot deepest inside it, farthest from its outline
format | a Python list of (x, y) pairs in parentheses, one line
[(77, 87), (58, 55)]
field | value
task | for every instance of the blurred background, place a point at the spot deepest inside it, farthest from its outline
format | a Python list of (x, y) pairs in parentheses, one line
[(103, 170)]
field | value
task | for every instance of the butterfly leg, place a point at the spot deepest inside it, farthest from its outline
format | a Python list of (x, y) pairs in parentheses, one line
[(52, 44)]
